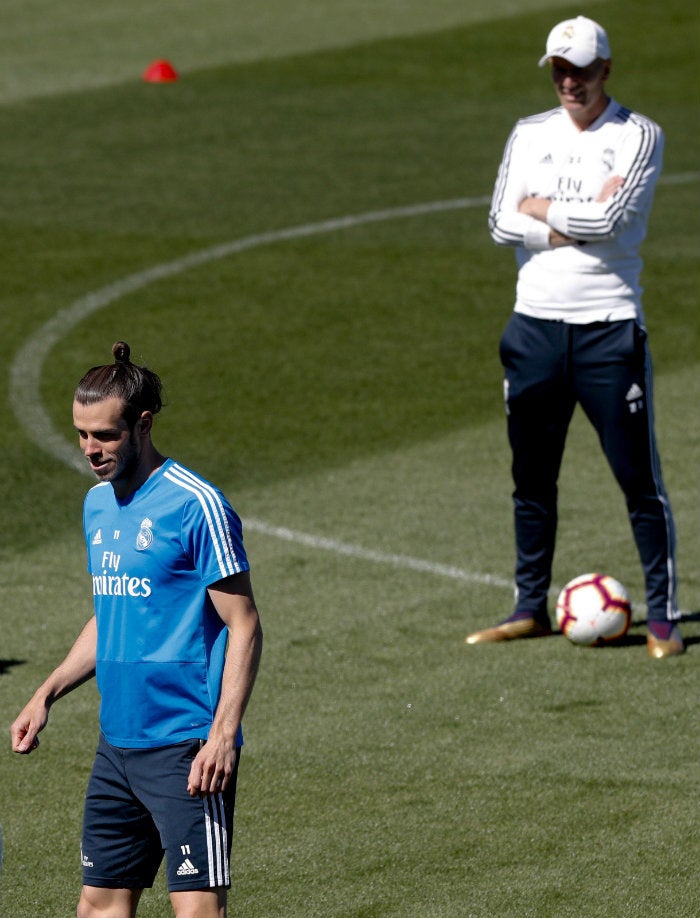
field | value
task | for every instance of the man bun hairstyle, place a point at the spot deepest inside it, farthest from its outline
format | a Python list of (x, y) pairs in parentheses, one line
[(139, 388), (121, 352)]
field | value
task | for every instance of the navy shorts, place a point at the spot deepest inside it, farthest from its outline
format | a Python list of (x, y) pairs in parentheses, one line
[(137, 809)]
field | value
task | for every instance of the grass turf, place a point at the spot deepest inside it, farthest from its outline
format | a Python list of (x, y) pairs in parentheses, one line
[(347, 386)]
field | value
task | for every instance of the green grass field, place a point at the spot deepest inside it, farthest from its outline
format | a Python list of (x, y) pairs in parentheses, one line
[(294, 235)]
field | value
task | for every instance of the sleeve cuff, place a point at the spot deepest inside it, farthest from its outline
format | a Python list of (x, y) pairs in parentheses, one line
[(536, 236), (557, 219)]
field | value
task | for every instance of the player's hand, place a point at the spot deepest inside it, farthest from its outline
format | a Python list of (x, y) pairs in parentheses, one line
[(24, 731), (613, 184), (536, 207), (211, 768), (557, 239)]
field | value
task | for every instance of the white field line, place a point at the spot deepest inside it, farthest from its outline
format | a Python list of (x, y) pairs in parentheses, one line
[(378, 557), (25, 372)]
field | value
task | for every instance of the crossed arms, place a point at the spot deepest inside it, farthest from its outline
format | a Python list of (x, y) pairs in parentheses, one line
[(539, 208)]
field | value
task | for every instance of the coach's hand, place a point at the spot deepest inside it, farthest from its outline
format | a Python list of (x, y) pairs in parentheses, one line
[(613, 184)]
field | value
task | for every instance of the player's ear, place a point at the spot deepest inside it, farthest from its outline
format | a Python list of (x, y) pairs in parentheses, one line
[(145, 422)]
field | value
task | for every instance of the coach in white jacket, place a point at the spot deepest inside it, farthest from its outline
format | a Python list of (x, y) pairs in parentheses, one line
[(573, 196)]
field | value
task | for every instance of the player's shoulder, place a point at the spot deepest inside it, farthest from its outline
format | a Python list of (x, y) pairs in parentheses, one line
[(188, 484), (199, 505), (551, 116), (181, 476), (539, 125), (98, 493), (633, 120)]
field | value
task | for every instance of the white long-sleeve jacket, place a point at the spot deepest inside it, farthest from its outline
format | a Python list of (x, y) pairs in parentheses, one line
[(597, 278)]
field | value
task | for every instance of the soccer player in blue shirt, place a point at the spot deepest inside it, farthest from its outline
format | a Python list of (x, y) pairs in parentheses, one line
[(175, 644)]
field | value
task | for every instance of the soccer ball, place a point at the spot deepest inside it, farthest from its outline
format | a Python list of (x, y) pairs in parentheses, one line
[(594, 609)]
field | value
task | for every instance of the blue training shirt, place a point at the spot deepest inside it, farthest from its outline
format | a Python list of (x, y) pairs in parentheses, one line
[(160, 643)]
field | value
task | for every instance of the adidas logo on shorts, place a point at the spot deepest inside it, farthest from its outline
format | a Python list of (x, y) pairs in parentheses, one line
[(187, 868)]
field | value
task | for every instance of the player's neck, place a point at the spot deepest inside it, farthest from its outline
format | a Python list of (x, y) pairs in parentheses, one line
[(584, 118), (147, 464)]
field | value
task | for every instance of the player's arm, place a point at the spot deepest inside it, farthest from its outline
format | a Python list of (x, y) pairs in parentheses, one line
[(538, 209), (511, 222), (77, 667), (506, 225), (233, 600), (625, 198)]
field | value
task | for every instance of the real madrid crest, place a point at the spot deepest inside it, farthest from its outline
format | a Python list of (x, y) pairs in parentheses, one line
[(145, 536)]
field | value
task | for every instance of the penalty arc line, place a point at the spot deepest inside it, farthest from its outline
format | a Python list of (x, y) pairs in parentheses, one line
[(25, 372)]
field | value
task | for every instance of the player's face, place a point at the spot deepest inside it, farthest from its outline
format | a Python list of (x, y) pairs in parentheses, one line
[(111, 448), (581, 90)]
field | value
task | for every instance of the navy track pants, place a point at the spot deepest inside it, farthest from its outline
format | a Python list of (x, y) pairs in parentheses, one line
[(606, 368)]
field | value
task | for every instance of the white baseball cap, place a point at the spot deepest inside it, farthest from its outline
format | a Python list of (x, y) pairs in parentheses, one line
[(579, 41)]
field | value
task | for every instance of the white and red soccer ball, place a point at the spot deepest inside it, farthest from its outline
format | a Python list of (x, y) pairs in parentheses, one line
[(594, 609)]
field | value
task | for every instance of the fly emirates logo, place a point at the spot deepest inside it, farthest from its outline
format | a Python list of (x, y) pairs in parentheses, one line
[(111, 583)]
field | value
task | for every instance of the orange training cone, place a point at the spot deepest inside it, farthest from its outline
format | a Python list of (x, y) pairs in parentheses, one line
[(160, 72)]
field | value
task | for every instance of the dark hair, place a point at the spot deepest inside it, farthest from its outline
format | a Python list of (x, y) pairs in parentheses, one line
[(138, 387)]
